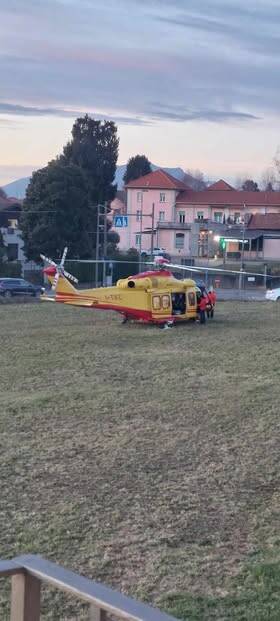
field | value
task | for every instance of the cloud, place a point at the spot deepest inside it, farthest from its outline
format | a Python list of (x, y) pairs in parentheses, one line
[(20, 110), (204, 61), (181, 114), (8, 123), (246, 35), (154, 112)]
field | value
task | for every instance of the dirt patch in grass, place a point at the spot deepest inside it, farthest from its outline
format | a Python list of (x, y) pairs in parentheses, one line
[(147, 459)]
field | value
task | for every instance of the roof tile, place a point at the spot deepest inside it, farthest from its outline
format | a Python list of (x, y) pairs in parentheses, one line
[(223, 198), (159, 179), (268, 221), (220, 185)]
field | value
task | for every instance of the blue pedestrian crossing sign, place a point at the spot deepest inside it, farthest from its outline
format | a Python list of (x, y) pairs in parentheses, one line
[(120, 221)]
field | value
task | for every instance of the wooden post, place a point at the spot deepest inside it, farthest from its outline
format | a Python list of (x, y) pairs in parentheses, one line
[(96, 614), (25, 600)]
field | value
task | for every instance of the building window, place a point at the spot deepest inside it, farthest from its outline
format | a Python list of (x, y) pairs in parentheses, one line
[(12, 252), (218, 216), (162, 197), (138, 239), (161, 216), (13, 223), (237, 217), (200, 215), (182, 217), (179, 240), (139, 197), (138, 215)]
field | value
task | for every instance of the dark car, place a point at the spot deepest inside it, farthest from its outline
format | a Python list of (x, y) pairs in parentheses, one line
[(18, 286)]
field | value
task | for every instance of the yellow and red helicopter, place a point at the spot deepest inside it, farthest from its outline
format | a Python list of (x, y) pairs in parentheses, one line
[(154, 296)]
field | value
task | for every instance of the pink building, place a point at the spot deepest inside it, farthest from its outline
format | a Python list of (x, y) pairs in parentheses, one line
[(184, 220), (151, 210)]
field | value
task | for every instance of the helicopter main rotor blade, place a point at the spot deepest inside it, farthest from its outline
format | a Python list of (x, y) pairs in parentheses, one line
[(202, 268), (70, 276), (44, 258), (63, 256)]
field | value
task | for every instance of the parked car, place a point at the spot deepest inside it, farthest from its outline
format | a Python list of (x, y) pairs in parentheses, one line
[(156, 252), (273, 295), (17, 286)]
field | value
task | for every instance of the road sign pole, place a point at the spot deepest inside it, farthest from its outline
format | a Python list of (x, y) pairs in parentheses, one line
[(140, 245), (97, 247), (241, 283), (104, 246), (153, 224)]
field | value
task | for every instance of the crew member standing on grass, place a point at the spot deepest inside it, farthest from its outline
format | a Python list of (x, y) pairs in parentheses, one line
[(212, 299), (201, 306)]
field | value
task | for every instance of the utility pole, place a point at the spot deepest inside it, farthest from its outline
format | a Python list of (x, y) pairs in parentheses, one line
[(104, 246), (97, 246), (265, 275), (153, 224), (242, 252), (141, 228)]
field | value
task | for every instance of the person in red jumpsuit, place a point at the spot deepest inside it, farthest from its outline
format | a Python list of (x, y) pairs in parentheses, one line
[(212, 299), (202, 301)]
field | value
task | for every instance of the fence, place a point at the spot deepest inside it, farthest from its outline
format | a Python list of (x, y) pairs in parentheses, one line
[(29, 571)]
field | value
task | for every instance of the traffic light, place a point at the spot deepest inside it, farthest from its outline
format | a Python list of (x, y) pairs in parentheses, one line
[(222, 243)]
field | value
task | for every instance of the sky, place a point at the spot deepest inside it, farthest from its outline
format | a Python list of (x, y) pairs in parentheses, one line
[(190, 83)]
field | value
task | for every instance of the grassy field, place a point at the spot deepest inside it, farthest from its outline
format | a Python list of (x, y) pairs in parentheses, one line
[(143, 458)]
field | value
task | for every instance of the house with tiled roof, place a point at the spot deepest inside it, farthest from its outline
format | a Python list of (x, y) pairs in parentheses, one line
[(164, 212), (150, 206), (10, 210), (260, 238)]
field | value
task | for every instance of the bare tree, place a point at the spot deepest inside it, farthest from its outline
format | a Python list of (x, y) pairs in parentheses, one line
[(268, 180), (195, 179), (240, 180), (277, 168)]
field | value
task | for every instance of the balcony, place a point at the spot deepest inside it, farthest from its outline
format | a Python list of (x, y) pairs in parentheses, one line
[(179, 226)]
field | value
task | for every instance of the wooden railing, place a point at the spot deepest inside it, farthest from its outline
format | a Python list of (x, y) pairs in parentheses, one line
[(29, 571)]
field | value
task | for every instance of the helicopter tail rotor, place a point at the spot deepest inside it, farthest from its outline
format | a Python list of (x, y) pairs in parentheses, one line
[(59, 269)]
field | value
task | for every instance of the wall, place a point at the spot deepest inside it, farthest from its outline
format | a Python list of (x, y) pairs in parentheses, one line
[(149, 198), (166, 240), (271, 248), (192, 211)]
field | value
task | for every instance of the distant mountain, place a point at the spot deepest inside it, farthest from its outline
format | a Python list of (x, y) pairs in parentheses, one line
[(17, 188)]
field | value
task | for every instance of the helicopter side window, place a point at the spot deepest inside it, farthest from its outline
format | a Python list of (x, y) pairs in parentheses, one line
[(191, 299), (156, 302), (165, 301)]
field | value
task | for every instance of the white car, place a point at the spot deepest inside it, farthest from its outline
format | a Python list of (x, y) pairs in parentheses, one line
[(155, 253), (273, 295)]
